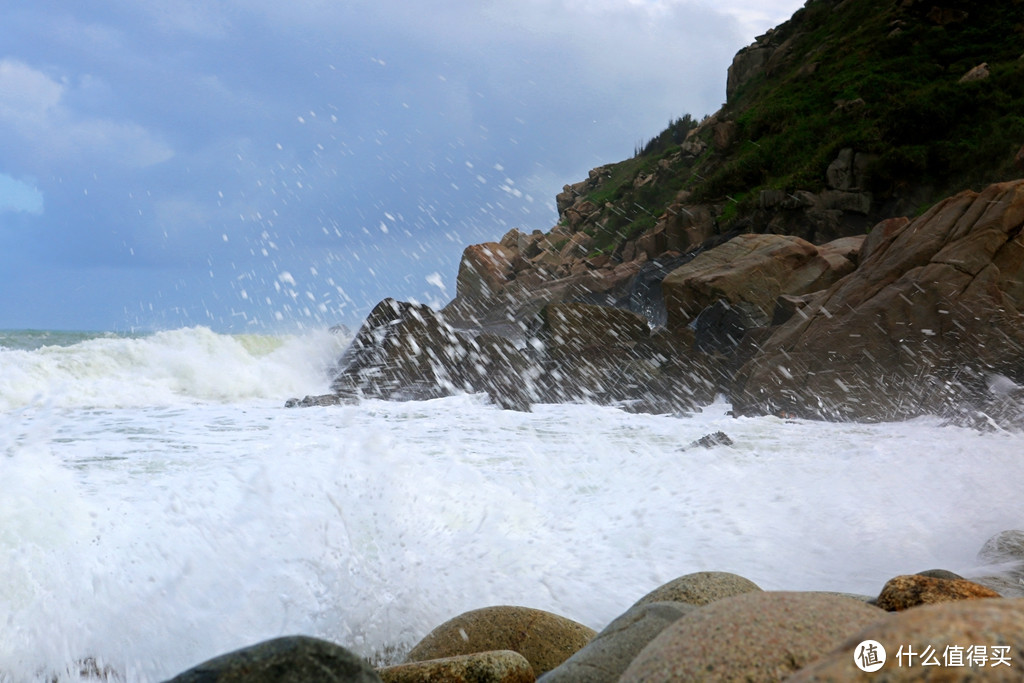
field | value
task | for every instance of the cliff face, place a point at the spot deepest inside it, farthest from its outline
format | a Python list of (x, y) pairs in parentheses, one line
[(849, 113)]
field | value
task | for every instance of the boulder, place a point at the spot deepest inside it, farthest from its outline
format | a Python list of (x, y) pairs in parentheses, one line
[(1003, 556), (930, 317), (700, 588), (500, 666), (957, 633), (291, 659), (485, 269), (608, 355), (606, 656), (904, 592), (755, 269), (758, 636), (408, 351), (544, 639)]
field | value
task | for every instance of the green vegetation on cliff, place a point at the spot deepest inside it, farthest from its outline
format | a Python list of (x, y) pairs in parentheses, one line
[(883, 78)]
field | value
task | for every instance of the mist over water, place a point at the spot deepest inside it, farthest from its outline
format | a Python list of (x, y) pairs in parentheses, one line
[(159, 506)]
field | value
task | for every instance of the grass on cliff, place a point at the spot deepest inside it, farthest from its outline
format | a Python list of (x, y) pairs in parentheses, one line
[(879, 76)]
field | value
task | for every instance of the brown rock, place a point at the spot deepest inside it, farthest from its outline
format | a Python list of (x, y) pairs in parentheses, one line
[(932, 310), (758, 636), (904, 592), (544, 639), (939, 629), (754, 269), (500, 666), (485, 269), (700, 588)]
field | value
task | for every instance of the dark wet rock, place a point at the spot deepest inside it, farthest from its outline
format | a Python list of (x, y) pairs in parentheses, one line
[(500, 666), (721, 327), (939, 574), (408, 351), (922, 326), (757, 636), (312, 401), (544, 639), (711, 440), (700, 588), (292, 659), (967, 624), (606, 657), (610, 355), (903, 592)]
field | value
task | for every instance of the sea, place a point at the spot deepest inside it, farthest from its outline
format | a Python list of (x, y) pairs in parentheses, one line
[(160, 506)]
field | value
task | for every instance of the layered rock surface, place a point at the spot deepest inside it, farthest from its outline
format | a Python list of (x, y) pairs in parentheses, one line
[(930, 323)]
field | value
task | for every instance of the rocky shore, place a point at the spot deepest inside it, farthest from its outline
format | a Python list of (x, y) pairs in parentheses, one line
[(918, 317), (707, 626)]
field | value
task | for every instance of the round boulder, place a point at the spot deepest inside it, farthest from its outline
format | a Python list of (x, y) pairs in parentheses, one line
[(759, 636), (606, 656), (995, 627), (700, 588), (291, 659), (904, 592), (544, 639), (501, 666)]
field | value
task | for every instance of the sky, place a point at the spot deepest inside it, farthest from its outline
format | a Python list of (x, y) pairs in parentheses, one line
[(253, 165)]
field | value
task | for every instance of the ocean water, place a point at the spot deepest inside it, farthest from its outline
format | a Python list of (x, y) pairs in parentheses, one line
[(160, 506)]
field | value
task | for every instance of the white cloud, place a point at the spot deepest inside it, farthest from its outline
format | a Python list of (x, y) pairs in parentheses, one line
[(34, 117), (19, 195)]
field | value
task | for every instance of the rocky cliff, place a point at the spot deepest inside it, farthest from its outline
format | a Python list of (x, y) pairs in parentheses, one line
[(781, 250)]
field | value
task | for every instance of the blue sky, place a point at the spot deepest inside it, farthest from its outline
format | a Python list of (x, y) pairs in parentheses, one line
[(255, 165)]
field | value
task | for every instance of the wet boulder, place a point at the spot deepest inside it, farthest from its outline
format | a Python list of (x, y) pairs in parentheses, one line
[(904, 592), (930, 323), (408, 351), (283, 660)]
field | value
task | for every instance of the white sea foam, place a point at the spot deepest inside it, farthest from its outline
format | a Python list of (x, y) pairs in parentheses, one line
[(152, 536)]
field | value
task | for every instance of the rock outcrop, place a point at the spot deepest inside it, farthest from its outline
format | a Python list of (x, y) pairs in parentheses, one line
[(930, 322)]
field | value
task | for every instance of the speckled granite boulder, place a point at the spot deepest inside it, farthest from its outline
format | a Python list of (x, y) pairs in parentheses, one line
[(968, 623), (700, 588), (545, 639), (501, 666), (758, 636), (904, 592), (292, 659), (606, 656)]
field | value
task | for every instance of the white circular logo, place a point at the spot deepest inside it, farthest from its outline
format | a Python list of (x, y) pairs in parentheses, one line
[(869, 656)]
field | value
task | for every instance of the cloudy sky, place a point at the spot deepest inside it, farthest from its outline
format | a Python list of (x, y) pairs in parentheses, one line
[(257, 164)]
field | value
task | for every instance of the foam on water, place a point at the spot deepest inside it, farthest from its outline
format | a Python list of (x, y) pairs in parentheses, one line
[(153, 536)]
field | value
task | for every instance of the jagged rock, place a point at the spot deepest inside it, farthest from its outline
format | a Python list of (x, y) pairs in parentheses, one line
[(605, 657), (720, 327), (904, 592), (930, 316), (755, 269), (608, 355), (752, 637), (978, 73), (500, 666), (283, 660), (748, 63), (700, 588), (408, 352), (485, 269), (544, 639), (969, 627), (712, 440)]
